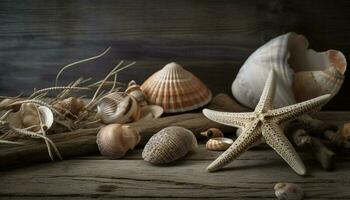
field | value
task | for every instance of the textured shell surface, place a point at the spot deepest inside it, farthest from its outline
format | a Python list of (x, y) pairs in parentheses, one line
[(168, 145), (176, 89), (115, 140), (218, 144), (118, 108), (302, 73), (212, 133), (288, 191)]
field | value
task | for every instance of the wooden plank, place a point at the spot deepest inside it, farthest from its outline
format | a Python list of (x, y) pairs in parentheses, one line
[(211, 38), (243, 179)]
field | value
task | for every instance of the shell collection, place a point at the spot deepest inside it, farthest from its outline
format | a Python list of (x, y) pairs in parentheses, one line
[(302, 73), (176, 89), (168, 145), (115, 140), (218, 144), (288, 191), (212, 133)]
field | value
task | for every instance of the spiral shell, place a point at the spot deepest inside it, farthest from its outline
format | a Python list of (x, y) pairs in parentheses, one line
[(218, 144), (302, 73), (72, 107), (118, 108), (175, 89), (212, 133), (135, 91), (168, 145), (115, 140), (288, 191)]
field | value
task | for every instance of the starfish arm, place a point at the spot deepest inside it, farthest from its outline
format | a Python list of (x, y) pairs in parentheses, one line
[(296, 110), (275, 138), (230, 119), (248, 137), (266, 99)]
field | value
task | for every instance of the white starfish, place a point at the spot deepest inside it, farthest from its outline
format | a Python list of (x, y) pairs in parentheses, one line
[(264, 122)]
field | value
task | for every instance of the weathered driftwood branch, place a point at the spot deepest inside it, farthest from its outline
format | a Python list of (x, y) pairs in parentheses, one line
[(83, 142)]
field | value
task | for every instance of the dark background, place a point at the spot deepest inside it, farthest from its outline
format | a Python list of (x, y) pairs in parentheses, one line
[(210, 38)]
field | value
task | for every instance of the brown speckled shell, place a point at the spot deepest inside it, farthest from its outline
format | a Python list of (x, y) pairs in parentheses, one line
[(168, 145), (212, 133), (176, 89)]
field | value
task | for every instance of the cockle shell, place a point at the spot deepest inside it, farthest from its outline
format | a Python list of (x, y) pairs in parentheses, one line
[(288, 191), (212, 133), (151, 112), (302, 73), (135, 91), (115, 140), (218, 143), (71, 107), (118, 107), (168, 145), (176, 89)]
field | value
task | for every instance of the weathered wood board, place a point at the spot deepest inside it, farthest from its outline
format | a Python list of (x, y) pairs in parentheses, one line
[(211, 38)]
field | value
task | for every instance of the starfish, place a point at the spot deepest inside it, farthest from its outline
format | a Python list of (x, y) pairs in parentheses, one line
[(264, 122)]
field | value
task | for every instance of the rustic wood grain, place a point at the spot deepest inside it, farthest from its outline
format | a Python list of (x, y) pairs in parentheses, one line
[(210, 38)]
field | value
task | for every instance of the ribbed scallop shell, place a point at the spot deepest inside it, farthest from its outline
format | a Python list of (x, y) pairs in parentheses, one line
[(218, 144), (115, 140), (176, 89), (288, 191), (118, 108), (168, 145), (301, 73)]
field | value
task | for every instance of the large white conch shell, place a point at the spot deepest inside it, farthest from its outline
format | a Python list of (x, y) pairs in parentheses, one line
[(302, 73)]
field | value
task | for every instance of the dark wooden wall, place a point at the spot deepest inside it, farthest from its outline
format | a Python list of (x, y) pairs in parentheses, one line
[(210, 38)]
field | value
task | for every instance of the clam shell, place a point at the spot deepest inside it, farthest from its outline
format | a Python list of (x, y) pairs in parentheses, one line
[(288, 191), (302, 73), (168, 145), (115, 140), (118, 108), (175, 89), (151, 112), (135, 90), (218, 144), (212, 133)]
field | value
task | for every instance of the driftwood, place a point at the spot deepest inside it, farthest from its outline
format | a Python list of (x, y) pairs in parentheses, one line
[(83, 141)]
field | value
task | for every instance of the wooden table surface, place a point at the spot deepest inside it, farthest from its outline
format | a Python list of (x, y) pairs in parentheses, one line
[(252, 176)]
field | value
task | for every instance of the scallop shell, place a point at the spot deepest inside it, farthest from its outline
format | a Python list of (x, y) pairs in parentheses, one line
[(288, 191), (218, 144), (151, 112), (176, 89), (135, 90), (168, 145), (302, 73), (212, 133), (115, 140), (71, 107), (118, 108)]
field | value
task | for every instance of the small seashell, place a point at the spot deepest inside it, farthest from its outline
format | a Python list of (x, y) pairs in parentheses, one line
[(118, 108), (175, 89), (151, 112), (344, 131), (47, 117), (135, 91), (218, 144), (115, 140), (71, 107), (212, 133), (302, 73), (168, 145), (288, 191)]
